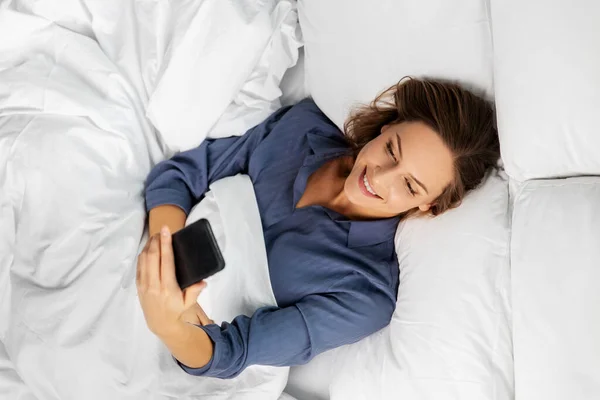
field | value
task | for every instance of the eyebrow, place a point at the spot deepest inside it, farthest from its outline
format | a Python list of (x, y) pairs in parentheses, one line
[(399, 145)]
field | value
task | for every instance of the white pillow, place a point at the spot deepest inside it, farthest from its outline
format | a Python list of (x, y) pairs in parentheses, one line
[(223, 77), (261, 95), (355, 49), (450, 336), (547, 79), (555, 262), (293, 84)]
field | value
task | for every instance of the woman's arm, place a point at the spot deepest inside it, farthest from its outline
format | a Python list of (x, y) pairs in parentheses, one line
[(189, 345), (171, 216), (293, 335), (182, 181), (349, 311)]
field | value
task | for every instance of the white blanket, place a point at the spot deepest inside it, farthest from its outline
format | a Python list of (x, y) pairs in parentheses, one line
[(116, 356), (241, 288), (76, 77), (200, 68), (245, 285)]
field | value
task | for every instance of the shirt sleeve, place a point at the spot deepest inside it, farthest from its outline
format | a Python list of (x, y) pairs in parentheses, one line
[(294, 335), (184, 179)]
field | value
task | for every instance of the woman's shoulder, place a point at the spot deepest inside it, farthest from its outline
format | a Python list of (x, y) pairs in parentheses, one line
[(307, 105), (308, 114)]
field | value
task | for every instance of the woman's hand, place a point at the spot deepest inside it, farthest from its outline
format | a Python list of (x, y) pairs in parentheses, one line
[(166, 307), (195, 315)]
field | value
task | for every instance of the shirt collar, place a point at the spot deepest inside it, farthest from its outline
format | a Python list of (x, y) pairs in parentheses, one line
[(327, 144), (366, 233), (369, 233)]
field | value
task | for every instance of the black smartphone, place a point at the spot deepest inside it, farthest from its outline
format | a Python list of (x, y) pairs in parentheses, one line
[(197, 253)]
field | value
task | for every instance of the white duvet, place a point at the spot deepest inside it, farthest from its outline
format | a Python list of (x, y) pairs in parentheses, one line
[(76, 144)]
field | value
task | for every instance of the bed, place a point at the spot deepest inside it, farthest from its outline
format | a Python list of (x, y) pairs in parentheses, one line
[(498, 299)]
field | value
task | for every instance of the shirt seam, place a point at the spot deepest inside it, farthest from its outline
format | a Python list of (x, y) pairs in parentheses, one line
[(152, 201)]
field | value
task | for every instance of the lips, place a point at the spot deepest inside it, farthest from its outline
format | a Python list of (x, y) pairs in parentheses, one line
[(365, 186)]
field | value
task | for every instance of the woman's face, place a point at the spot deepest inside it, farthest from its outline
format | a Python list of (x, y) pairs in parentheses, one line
[(405, 167)]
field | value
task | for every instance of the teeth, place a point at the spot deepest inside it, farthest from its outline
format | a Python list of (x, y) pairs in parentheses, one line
[(369, 188)]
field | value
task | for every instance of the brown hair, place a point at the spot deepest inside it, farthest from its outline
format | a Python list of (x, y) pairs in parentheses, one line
[(465, 122)]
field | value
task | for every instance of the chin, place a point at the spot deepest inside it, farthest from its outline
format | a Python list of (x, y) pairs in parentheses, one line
[(357, 199), (352, 192)]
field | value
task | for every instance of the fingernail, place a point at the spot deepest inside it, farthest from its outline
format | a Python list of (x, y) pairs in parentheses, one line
[(164, 231)]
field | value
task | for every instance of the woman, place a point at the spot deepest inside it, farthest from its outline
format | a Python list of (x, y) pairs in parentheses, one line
[(330, 204)]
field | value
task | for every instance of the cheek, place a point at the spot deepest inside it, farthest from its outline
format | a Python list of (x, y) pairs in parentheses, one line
[(398, 199), (351, 183)]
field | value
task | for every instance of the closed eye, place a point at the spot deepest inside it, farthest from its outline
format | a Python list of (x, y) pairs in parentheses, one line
[(390, 151), (410, 188)]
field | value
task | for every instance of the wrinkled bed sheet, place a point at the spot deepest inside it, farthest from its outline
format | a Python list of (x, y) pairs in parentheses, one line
[(83, 87)]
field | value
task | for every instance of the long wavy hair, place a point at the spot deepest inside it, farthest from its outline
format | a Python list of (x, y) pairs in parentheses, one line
[(464, 120)]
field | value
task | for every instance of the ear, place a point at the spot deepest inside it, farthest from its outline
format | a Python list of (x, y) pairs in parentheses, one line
[(425, 207), (384, 128)]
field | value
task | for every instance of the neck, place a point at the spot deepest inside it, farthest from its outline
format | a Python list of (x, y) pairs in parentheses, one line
[(325, 186), (337, 199)]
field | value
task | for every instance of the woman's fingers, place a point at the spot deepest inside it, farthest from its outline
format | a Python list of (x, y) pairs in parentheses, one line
[(140, 276), (196, 315), (191, 316), (152, 263), (191, 293), (167, 261), (204, 320)]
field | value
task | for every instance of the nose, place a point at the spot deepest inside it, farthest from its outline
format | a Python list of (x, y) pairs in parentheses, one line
[(385, 176)]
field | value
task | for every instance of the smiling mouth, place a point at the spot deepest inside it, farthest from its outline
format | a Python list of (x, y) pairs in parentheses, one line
[(365, 186)]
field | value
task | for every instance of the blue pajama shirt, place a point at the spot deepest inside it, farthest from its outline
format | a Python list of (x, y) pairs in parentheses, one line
[(335, 280)]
